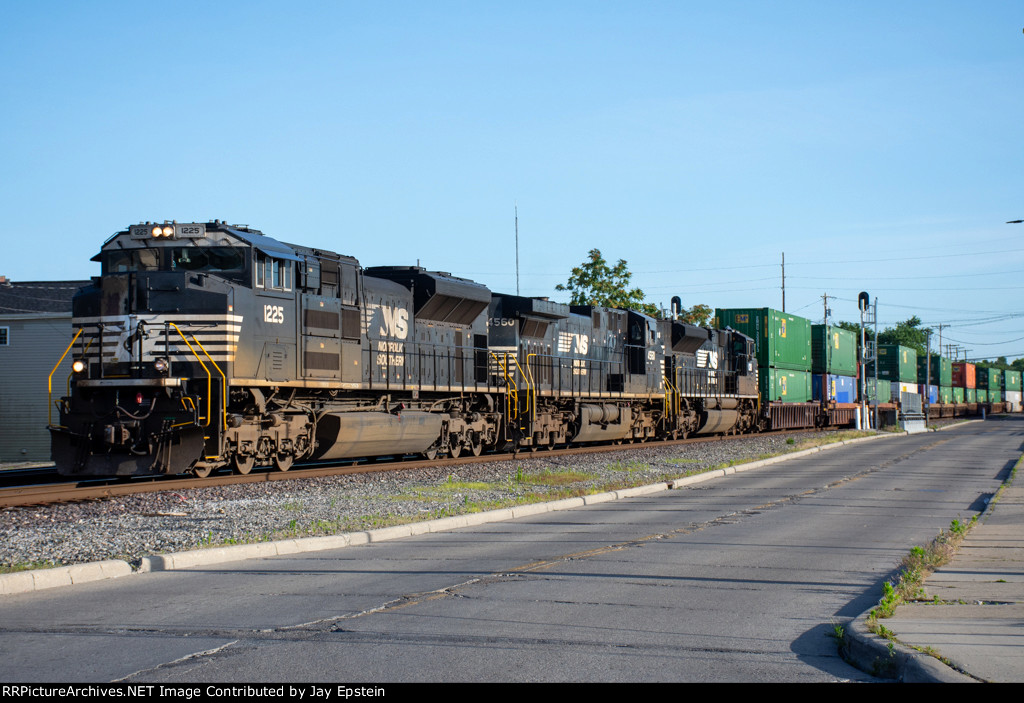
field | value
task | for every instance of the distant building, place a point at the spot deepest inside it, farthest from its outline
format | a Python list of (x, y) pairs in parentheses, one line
[(35, 329)]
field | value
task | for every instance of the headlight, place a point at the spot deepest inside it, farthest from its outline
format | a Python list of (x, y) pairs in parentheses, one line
[(78, 366), (161, 365)]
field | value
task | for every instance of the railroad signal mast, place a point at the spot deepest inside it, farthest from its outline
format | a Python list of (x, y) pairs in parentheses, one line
[(869, 354)]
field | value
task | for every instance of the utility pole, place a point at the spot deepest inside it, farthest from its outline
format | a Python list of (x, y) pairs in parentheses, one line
[(517, 247), (828, 349), (927, 396), (941, 327), (783, 281)]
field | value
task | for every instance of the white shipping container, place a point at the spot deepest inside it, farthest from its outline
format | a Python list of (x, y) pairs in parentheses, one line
[(898, 388), (1012, 400)]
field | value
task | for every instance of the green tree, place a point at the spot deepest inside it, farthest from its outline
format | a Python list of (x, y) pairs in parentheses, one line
[(596, 283), (908, 333), (869, 332), (699, 315)]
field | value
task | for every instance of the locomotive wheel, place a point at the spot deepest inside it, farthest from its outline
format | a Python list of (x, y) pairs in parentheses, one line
[(431, 453), (244, 463), (202, 471), (283, 462), (476, 447), (454, 451)]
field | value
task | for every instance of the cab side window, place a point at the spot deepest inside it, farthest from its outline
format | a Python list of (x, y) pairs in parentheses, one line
[(273, 274)]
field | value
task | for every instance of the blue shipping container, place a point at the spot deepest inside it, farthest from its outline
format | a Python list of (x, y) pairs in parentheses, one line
[(842, 389), (933, 392)]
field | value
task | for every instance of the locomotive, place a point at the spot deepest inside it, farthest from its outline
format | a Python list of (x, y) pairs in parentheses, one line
[(207, 346)]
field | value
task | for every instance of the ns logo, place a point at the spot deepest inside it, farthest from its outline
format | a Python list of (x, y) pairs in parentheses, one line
[(393, 322)]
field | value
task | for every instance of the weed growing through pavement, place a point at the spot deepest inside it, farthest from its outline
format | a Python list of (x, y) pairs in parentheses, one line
[(919, 563)]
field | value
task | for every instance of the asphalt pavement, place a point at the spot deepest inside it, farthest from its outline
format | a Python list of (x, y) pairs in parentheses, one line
[(972, 630)]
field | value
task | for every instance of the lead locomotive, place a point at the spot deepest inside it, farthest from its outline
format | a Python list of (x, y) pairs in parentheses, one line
[(206, 345)]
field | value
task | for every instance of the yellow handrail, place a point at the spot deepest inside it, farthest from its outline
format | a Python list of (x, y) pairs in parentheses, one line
[(49, 380), (209, 376), (224, 384), (531, 389), (512, 391), (671, 400)]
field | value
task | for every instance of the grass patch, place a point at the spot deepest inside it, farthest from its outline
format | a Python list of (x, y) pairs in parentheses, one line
[(915, 567), (547, 477), (810, 443), (28, 566)]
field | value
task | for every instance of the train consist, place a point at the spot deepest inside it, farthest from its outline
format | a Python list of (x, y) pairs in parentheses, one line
[(208, 346), (204, 346)]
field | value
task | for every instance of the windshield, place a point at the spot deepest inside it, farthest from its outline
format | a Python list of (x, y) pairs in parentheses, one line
[(128, 260), (228, 262), (206, 259)]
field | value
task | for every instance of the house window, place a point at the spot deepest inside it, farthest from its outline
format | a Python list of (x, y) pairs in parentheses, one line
[(4, 336)]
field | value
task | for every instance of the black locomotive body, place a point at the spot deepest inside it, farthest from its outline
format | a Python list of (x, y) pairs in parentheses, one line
[(204, 345)]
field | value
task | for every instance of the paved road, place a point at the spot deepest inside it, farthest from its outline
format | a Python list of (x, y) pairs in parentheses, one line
[(736, 579)]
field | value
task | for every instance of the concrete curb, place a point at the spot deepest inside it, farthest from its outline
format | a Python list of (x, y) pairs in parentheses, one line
[(39, 579)]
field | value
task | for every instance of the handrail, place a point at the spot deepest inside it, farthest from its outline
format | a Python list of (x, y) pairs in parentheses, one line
[(671, 397), (224, 384), (531, 390), (209, 376), (511, 386), (49, 380)]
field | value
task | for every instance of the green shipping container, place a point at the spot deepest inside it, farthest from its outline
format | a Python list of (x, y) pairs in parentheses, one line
[(995, 396), (784, 385), (970, 395), (884, 394), (895, 363), (833, 351), (982, 395), (945, 394), (958, 394), (783, 341), (1011, 380), (941, 372), (990, 380)]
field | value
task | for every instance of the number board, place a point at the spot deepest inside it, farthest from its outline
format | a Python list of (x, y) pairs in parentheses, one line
[(189, 230)]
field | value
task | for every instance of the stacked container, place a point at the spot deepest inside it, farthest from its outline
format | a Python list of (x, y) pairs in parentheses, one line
[(896, 363), (783, 350), (841, 389), (882, 393), (964, 375), (941, 371), (1012, 390), (991, 381), (834, 359)]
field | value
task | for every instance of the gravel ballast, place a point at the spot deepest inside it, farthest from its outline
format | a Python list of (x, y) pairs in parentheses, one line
[(131, 527)]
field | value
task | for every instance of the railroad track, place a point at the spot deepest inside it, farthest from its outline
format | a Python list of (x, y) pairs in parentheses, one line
[(43, 494)]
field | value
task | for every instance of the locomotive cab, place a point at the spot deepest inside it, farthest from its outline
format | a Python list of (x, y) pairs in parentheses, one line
[(155, 341)]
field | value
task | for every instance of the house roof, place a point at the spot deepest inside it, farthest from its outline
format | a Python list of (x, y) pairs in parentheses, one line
[(37, 296)]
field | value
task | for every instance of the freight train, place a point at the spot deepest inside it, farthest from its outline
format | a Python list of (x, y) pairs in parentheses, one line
[(208, 346)]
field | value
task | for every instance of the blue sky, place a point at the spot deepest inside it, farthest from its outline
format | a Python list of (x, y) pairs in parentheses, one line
[(878, 144)]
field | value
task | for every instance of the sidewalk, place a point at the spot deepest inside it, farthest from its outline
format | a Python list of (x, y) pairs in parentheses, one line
[(978, 628)]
